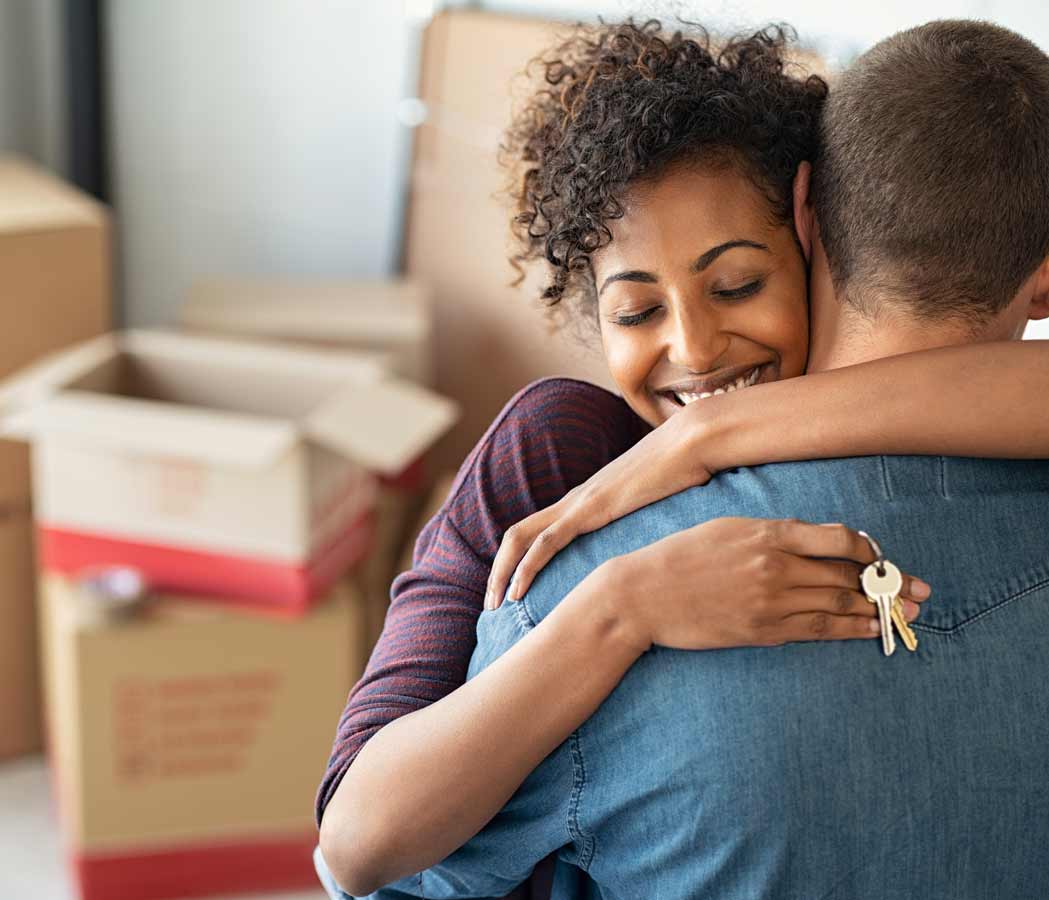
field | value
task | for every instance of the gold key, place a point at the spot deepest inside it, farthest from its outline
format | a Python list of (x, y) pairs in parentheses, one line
[(910, 639)]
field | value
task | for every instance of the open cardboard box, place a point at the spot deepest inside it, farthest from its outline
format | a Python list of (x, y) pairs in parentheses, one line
[(389, 319), (187, 741), (216, 467)]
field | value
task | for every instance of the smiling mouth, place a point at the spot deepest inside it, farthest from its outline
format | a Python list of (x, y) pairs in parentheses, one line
[(684, 394)]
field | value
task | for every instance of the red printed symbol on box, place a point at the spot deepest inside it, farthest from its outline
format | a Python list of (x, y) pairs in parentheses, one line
[(185, 726)]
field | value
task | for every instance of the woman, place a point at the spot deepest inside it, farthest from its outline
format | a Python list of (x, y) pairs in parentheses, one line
[(649, 161)]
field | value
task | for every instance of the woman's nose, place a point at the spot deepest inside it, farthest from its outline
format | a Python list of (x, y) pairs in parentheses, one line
[(697, 342)]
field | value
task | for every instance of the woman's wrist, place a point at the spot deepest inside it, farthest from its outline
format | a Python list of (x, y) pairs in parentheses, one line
[(608, 599), (706, 431)]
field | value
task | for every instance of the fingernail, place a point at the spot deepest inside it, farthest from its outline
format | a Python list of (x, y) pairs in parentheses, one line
[(910, 610), (489, 599), (874, 626), (920, 589), (515, 590)]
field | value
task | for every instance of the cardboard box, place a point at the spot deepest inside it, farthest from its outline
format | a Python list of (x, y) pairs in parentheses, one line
[(55, 258), (491, 339), (188, 741), (216, 467), (19, 682), (389, 319)]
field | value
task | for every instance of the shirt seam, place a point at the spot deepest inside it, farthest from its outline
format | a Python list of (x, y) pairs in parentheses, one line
[(585, 841)]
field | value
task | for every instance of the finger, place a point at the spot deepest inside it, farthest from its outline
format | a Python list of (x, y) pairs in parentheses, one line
[(800, 571), (515, 542), (838, 602), (915, 589), (830, 541), (546, 546), (821, 626)]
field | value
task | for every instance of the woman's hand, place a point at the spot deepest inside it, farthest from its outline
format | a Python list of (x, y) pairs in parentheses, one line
[(662, 463), (749, 582)]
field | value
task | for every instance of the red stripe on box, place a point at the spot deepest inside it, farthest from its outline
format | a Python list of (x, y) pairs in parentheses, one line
[(198, 870), (236, 580), (408, 479)]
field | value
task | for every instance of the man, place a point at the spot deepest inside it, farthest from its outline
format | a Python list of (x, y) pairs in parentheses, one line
[(830, 771)]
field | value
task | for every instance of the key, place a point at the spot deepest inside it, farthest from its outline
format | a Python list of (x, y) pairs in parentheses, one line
[(882, 583), (910, 639)]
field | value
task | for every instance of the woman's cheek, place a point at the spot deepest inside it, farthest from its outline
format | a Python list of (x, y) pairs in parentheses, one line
[(629, 362)]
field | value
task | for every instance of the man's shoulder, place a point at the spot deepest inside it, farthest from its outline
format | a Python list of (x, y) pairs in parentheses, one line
[(883, 494)]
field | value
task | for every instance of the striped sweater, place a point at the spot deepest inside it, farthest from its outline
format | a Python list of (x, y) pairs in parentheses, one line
[(550, 437)]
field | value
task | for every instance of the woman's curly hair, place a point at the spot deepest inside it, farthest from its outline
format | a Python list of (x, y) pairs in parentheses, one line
[(618, 103)]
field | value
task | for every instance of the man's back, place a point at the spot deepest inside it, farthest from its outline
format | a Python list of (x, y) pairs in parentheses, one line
[(826, 770)]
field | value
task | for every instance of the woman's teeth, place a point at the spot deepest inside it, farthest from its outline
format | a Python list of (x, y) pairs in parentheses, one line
[(743, 381)]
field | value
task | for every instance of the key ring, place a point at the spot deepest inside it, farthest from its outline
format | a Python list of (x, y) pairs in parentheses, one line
[(876, 549)]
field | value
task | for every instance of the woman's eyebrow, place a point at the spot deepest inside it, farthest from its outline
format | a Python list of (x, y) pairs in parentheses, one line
[(698, 266), (714, 252), (629, 275)]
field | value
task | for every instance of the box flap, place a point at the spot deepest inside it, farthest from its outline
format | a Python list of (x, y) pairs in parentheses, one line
[(190, 348), (369, 312), (43, 378), (138, 426), (32, 199), (385, 426)]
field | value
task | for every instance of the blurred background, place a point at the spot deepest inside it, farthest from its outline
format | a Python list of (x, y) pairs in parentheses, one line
[(303, 197)]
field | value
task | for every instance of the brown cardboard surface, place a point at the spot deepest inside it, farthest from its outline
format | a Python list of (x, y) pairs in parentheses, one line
[(55, 256), (390, 318), (19, 681), (193, 723), (490, 339)]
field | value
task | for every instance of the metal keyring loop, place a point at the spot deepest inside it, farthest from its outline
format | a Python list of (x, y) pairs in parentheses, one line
[(876, 549)]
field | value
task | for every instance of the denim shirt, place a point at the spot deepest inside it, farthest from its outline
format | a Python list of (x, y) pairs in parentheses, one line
[(813, 770)]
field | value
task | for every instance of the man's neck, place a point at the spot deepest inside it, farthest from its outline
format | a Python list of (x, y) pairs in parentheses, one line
[(842, 335), (858, 338)]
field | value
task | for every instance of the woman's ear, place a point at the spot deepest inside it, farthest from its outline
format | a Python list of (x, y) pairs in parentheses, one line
[(804, 219)]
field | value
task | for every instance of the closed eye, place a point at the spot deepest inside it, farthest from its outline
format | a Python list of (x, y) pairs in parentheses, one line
[(635, 318), (746, 290)]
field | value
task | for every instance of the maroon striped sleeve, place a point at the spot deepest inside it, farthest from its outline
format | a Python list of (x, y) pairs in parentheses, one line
[(549, 438)]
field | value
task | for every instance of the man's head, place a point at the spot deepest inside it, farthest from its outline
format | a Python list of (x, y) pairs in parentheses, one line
[(931, 190)]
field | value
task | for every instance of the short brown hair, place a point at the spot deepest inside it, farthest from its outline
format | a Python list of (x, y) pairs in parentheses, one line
[(932, 183)]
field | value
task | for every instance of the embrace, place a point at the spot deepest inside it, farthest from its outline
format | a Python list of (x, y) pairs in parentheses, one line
[(633, 658)]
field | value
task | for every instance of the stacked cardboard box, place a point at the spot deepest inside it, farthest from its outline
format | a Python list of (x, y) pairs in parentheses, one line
[(241, 480), (188, 740), (217, 468), (55, 259), (391, 322)]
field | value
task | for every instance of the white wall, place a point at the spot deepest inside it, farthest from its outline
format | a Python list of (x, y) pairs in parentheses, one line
[(253, 136), (261, 136)]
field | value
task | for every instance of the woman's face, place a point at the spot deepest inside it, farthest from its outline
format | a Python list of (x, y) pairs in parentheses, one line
[(699, 292)]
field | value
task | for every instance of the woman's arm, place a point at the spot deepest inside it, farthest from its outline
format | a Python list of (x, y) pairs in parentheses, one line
[(986, 400), (429, 781)]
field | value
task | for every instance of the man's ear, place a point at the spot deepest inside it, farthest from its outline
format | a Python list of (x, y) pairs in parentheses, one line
[(804, 217), (1039, 308)]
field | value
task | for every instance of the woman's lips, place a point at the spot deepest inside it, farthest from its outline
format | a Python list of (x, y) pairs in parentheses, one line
[(685, 393)]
